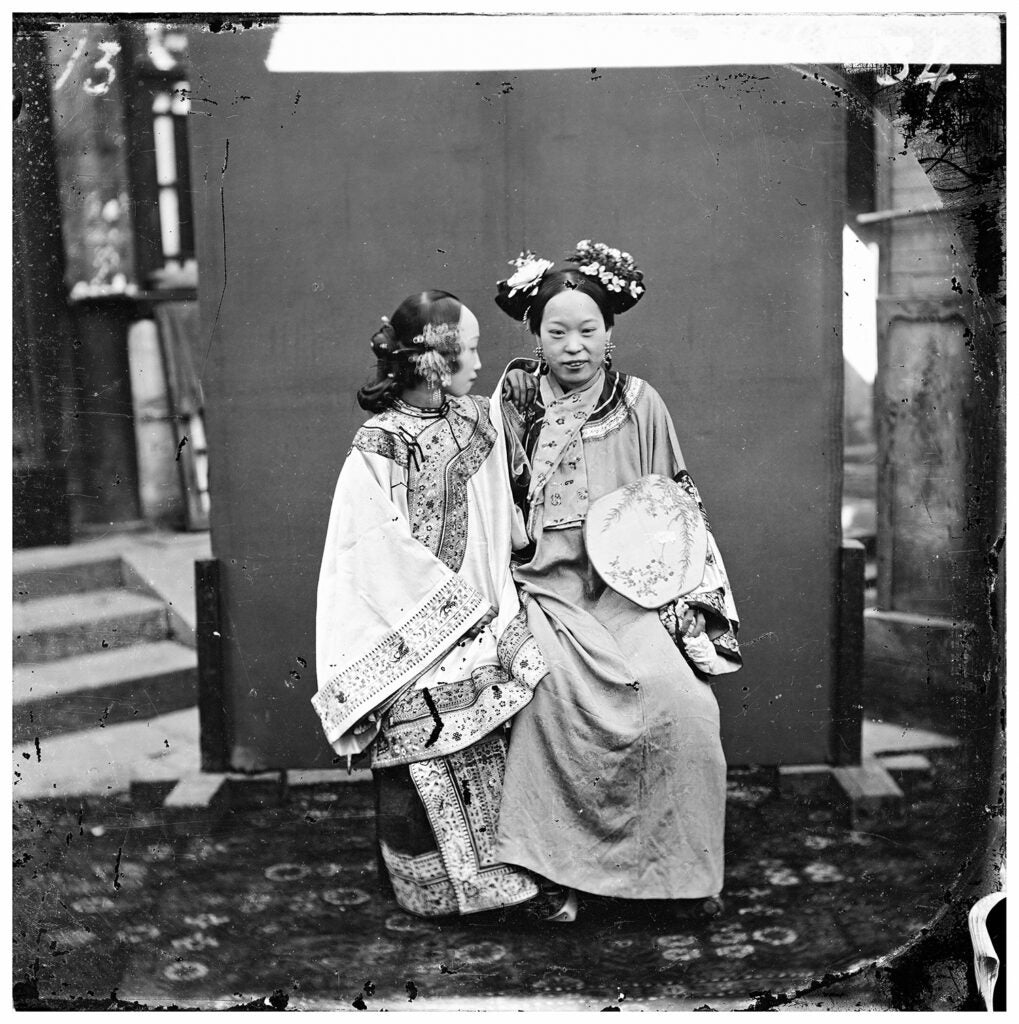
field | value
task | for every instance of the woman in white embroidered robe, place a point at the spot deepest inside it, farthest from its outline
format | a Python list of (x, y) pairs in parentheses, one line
[(615, 778), (423, 651)]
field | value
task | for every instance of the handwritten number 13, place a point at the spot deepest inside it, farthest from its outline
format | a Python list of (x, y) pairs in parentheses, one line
[(103, 64)]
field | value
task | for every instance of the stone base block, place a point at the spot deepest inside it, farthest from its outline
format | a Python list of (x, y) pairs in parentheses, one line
[(870, 795), (327, 777), (251, 792), (806, 781)]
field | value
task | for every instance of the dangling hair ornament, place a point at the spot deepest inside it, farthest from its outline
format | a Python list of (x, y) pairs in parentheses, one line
[(440, 344), (432, 366)]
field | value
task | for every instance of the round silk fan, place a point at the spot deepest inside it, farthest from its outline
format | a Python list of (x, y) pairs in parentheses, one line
[(647, 541)]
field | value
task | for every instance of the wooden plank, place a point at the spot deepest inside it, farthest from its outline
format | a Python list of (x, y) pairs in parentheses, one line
[(905, 763), (847, 700), (867, 782), (212, 712), (201, 790), (327, 776), (871, 794)]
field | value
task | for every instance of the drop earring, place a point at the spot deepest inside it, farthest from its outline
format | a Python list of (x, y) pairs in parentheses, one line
[(539, 354), (609, 349), (432, 382)]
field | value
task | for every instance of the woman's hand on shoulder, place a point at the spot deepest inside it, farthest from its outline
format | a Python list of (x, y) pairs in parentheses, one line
[(520, 388)]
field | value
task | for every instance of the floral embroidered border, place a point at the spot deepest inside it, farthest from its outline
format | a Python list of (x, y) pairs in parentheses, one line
[(685, 481), (616, 417), (461, 794), (377, 440), (519, 651), (515, 423), (709, 600), (420, 883), (399, 657), (728, 644), (469, 709), (453, 448)]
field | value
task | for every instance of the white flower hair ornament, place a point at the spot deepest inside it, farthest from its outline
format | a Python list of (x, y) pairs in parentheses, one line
[(530, 270), (516, 292), (616, 270)]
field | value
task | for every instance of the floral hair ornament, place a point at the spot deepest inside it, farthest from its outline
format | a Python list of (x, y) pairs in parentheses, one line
[(515, 293), (530, 270), (441, 345), (615, 270)]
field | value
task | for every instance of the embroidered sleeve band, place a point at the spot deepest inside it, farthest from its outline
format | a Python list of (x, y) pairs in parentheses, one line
[(399, 657)]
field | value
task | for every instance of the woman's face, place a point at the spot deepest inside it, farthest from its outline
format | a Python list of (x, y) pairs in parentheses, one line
[(462, 381), (573, 337)]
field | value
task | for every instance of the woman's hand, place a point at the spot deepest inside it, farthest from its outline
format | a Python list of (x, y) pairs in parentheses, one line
[(366, 724), (691, 622), (478, 626), (520, 388)]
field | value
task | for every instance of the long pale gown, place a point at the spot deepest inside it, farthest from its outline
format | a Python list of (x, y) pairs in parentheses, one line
[(615, 777)]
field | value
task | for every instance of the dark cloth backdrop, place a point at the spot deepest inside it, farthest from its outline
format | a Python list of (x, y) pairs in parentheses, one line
[(323, 199)]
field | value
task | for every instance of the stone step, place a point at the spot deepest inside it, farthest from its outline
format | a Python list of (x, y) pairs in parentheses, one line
[(103, 762), (62, 627), (77, 576), (121, 685)]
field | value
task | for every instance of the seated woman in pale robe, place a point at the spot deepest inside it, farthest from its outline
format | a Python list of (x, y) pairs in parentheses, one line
[(615, 777)]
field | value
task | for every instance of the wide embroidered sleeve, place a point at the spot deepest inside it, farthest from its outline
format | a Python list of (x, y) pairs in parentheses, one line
[(387, 608), (660, 453), (511, 425)]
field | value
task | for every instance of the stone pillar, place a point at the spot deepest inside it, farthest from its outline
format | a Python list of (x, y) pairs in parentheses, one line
[(926, 546)]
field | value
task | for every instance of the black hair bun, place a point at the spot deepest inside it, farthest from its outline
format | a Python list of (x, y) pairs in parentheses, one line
[(517, 292), (513, 301), (383, 342), (624, 299)]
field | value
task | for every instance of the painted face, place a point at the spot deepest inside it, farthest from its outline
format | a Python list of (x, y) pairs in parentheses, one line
[(573, 337), (470, 333)]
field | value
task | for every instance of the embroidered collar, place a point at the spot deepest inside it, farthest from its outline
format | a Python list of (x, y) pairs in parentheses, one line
[(415, 410)]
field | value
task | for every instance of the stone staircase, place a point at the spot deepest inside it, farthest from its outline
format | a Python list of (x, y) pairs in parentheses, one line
[(93, 647)]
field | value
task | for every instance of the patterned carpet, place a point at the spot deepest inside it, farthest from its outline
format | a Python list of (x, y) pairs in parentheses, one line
[(286, 900)]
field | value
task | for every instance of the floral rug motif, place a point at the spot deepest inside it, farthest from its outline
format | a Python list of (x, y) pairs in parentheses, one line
[(108, 898)]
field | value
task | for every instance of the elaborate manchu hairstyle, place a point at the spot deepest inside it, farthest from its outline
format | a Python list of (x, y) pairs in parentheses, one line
[(415, 332), (608, 276)]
